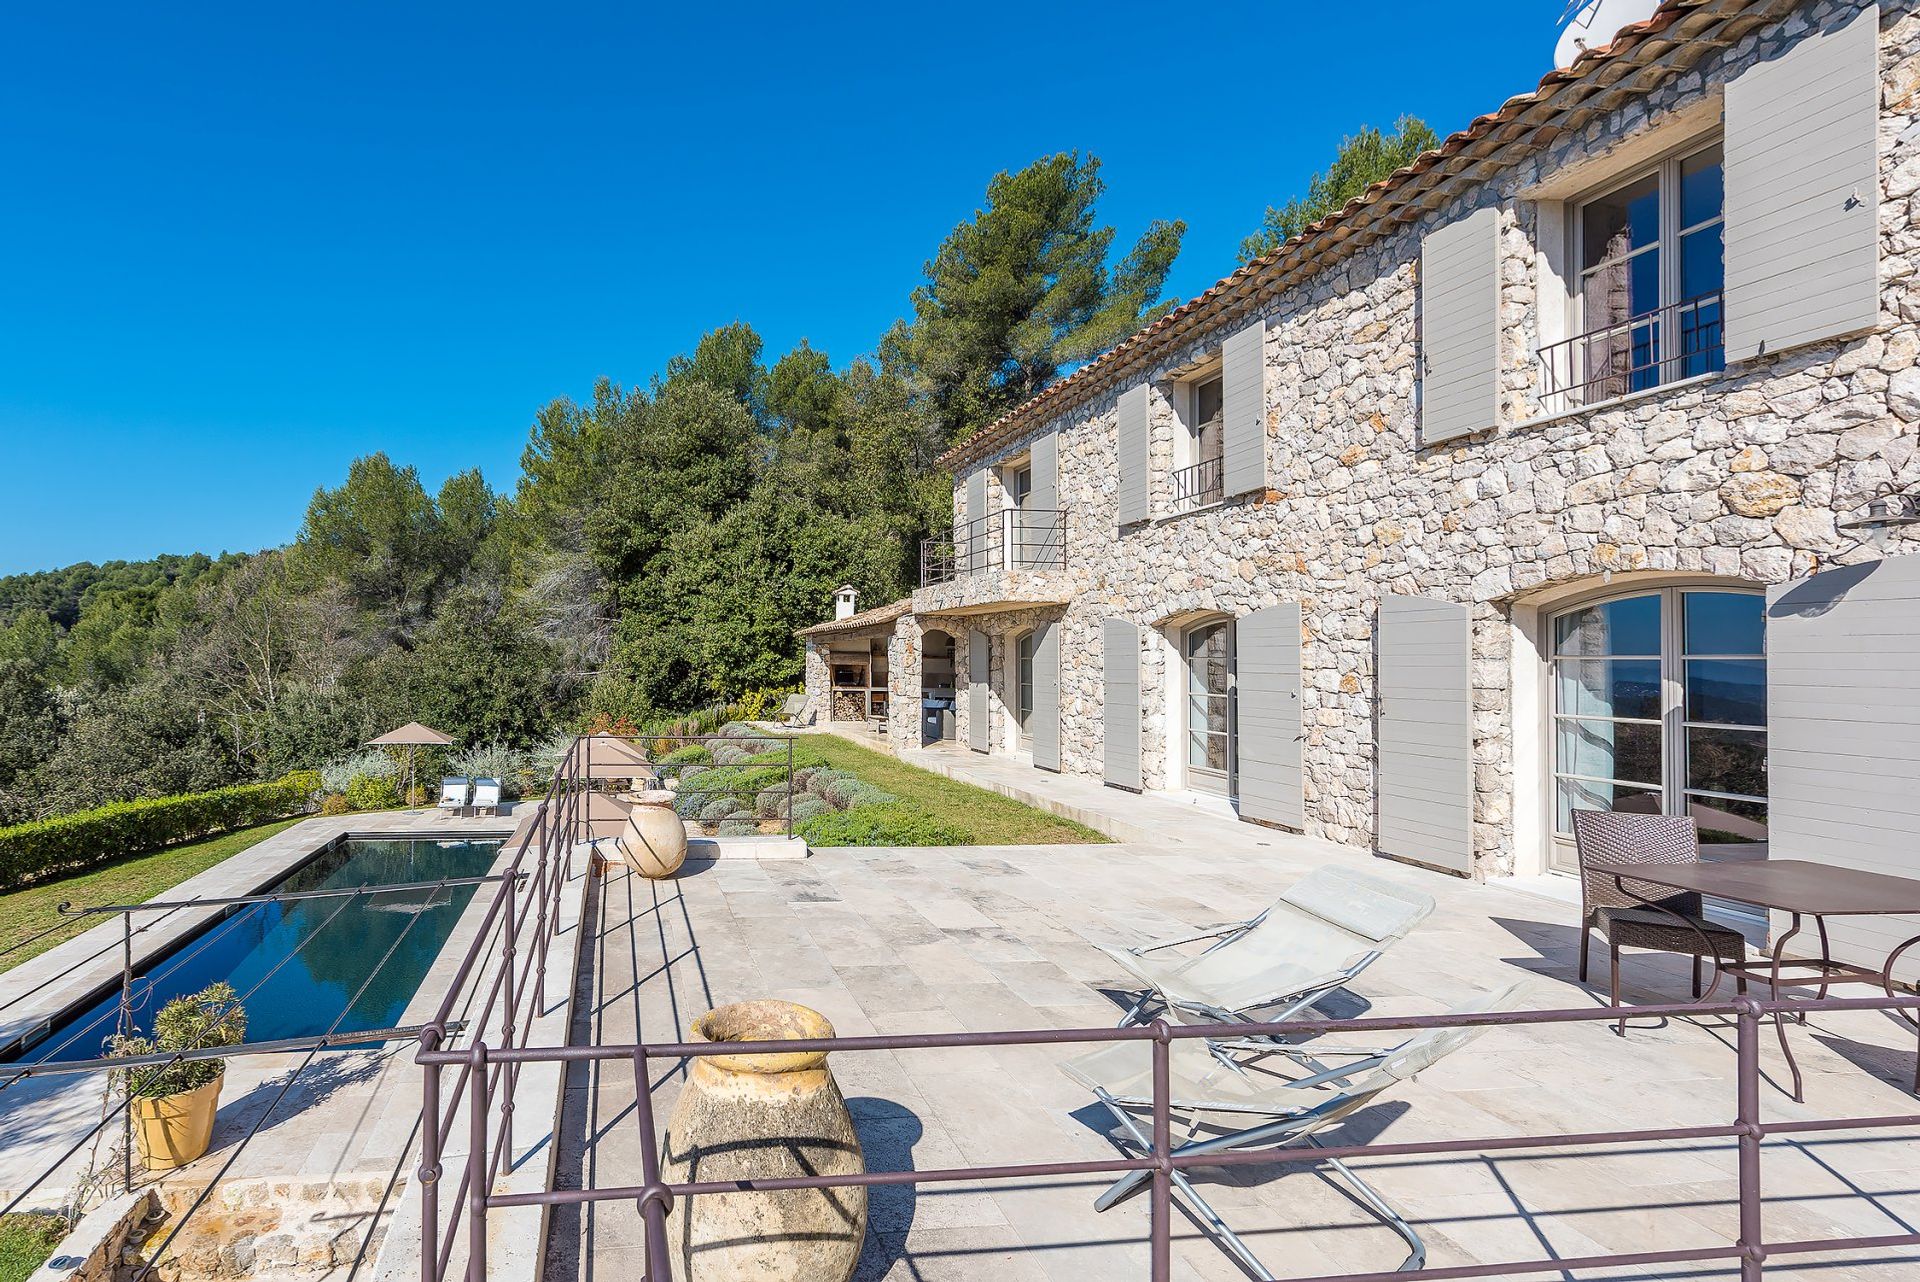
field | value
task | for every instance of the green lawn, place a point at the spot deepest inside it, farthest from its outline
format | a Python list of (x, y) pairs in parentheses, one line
[(124, 881), (26, 1240), (988, 818)]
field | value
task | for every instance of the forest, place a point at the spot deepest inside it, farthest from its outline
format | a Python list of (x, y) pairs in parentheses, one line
[(656, 552)]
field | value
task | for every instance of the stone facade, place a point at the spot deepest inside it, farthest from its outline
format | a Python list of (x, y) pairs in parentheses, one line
[(1738, 476)]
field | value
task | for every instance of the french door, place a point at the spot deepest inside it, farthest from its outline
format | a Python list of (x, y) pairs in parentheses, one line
[(1208, 649), (1659, 706)]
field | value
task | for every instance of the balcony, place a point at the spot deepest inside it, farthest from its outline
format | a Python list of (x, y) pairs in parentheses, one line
[(1642, 352), (999, 561), (1198, 486)]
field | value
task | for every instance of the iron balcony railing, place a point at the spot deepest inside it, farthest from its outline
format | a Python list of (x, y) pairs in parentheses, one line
[(1014, 539), (1660, 346), (1199, 485)]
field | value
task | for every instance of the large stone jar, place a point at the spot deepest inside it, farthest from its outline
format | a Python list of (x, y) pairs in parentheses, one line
[(762, 1117), (654, 841)]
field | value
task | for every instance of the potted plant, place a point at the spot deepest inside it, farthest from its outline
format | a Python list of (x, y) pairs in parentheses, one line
[(173, 1105)]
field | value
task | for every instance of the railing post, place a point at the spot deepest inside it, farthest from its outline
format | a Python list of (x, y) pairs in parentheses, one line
[(655, 1200), (1161, 1226), (428, 1172), (1753, 1252), (789, 787), (126, 1030), (508, 1010), (478, 1183)]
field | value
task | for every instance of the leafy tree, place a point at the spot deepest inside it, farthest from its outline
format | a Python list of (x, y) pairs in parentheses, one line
[(1364, 159), (1021, 290)]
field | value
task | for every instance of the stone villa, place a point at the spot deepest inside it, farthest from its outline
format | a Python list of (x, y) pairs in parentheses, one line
[(1531, 480)]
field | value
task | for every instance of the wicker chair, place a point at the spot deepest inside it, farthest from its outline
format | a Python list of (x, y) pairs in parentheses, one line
[(1603, 836)]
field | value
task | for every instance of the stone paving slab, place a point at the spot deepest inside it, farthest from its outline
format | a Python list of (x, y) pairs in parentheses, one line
[(969, 939)]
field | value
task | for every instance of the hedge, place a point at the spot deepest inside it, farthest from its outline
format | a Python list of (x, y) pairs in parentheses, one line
[(66, 843)]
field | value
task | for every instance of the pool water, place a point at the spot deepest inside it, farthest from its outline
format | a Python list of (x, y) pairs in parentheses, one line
[(298, 964)]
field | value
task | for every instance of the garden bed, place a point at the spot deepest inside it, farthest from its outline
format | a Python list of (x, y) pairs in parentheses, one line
[(843, 795)]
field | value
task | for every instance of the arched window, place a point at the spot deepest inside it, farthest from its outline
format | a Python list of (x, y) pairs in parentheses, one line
[(1660, 705)]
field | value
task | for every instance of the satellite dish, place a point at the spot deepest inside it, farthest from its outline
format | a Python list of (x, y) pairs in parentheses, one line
[(1592, 24)]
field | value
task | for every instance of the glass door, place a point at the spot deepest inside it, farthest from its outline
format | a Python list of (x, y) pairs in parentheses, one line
[(1208, 648), (1659, 706), (1023, 690)]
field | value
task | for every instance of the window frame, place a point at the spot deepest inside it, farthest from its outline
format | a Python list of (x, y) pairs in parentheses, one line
[(1674, 789), (1667, 169)]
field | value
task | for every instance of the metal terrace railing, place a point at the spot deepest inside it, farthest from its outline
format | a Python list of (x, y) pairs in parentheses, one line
[(1660, 346), (486, 1071), (653, 1197), (1012, 539)]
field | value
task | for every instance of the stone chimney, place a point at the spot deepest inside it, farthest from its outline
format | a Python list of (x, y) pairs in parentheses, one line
[(846, 601)]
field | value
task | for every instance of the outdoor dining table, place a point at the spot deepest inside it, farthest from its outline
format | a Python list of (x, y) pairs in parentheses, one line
[(1799, 888)]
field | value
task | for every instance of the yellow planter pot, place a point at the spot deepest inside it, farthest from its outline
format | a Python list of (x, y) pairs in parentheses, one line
[(172, 1130)]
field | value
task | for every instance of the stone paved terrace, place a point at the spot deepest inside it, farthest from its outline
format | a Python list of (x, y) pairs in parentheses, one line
[(973, 938)]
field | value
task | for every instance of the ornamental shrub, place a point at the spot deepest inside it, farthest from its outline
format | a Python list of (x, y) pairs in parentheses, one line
[(687, 804), (64, 843), (847, 793), (886, 824), (335, 776), (719, 808), (492, 761), (771, 803), (365, 792), (209, 1018), (690, 753), (738, 828), (808, 807)]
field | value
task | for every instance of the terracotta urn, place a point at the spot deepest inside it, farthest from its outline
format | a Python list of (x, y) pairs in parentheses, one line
[(172, 1130), (745, 1117), (654, 841)]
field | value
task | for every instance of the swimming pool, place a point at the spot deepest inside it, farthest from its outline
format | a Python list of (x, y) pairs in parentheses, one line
[(298, 964)]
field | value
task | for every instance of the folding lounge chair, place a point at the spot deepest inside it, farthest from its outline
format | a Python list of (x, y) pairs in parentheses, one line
[(1247, 1108), (1327, 928), (486, 796), (791, 709), (454, 791)]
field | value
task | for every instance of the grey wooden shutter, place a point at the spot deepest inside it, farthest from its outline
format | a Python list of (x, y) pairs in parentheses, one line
[(1843, 735), (1041, 523), (1044, 726), (1267, 710), (1424, 704), (1243, 395), (1460, 327), (979, 664), (1120, 703), (1135, 456), (970, 541), (1802, 192)]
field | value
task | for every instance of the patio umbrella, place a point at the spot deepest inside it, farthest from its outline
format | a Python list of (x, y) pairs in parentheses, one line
[(611, 757), (411, 736)]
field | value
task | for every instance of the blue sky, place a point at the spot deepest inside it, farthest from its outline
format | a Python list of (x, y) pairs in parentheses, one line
[(243, 245)]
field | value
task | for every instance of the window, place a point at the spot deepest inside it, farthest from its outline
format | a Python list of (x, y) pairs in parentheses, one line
[(1659, 706), (1020, 486), (1198, 483), (1647, 298)]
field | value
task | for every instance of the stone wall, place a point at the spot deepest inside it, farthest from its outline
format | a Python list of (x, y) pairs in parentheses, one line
[(1740, 475)]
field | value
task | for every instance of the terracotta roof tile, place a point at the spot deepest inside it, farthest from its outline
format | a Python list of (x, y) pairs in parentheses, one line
[(864, 619)]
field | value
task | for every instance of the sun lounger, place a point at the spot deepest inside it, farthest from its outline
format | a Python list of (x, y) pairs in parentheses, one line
[(1327, 928), (486, 796), (454, 792), (1245, 1107)]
